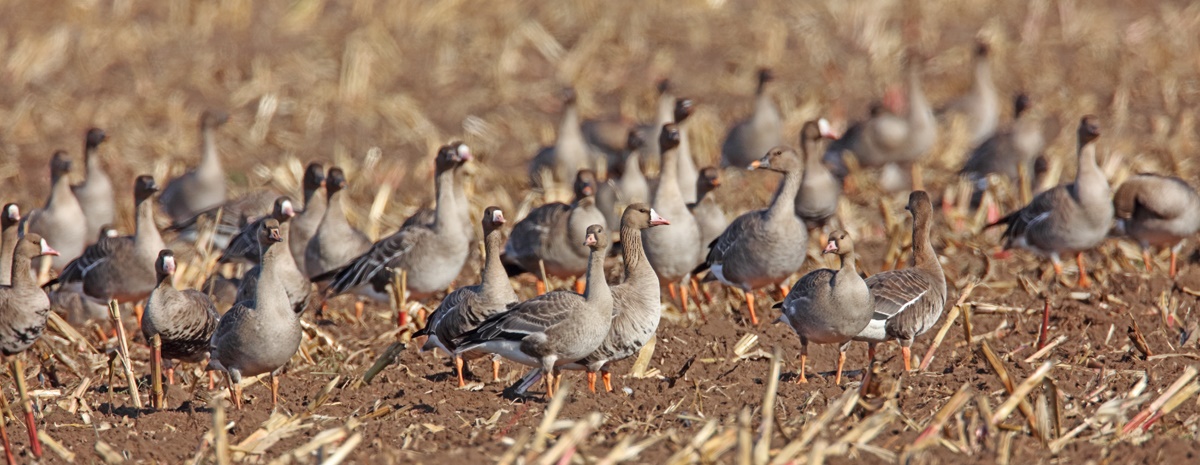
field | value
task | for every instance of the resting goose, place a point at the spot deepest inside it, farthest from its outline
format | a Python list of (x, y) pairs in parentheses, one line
[(909, 301), (69, 300), (827, 306), (1068, 219), (23, 311), (184, 320), (61, 221), (305, 224), (295, 283), (467, 307), (552, 329), (335, 241), (551, 236), (10, 221), (651, 155), (981, 104), (202, 187), (1157, 211), (95, 193), (749, 139)]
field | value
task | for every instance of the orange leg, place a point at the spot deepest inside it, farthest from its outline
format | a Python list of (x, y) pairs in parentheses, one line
[(321, 310), (580, 286), (495, 370), (235, 391), (607, 377), (783, 290), (871, 352), (803, 363), (750, 306), (1146, 259), (671, 289), (458, 368), (541, 287), (837, 379), (212, 380), (274, 391), (1083, 277), (358, 310), (549, 384), (906, 352), (683, 299), (1174, 256), (422, 316), (696, 290), (170, 375), (591, 379), (1057, 268), (138, 308)]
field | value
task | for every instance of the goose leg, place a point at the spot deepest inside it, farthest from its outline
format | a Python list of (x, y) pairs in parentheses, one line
[(750, 306), (683, 299), (803, 362), (1083, 277), (549, 383), (458, 368), (906, 352), (580, 286), (591, 379), (234, 379), (671, 289), (1054, 260), (871, 352), (138, 309), (495, 368), (541, 277), (841, 363), (171, 375), (18, 374), (1146, 259), (274, 391), (607, 377), (212, 380), (358, 310), (1174, 256)]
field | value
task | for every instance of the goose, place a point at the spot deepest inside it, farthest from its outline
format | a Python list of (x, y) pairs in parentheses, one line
[(61, 221), (1157, 211), (243, 247), (908, 302), (295, 283), (184, 320), (551, 236), (673, 250), (626, 185), (229, 218), (95, 193), (305, 224), (750, 138), (258, 336), (69, 300), (335, 241), (467, 307), (552, 329), (23, 312), (1071, 218), (431, 255), (710, 218), (569, 154), (651, 155), (981, 104), (686, 172), (829, 306), (202, 187), (1007, 153), (462, 206), (820, 190), (10, 221)]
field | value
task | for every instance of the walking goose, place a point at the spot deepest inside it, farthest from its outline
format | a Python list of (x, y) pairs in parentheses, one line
[(1157, 211), (184, 320), (827, 306), (467, 307), (552, 329), (202, 187), (335, 241), (61, 221), (909, 301), (551, 236), (305, 224), (673, 250), (95, 193), (749, 139), (23, 311), (1071, 218)]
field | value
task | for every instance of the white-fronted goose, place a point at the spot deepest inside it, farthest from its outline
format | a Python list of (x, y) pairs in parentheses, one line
[(305, 224), (981, 104), (606, 139), (651, 155), (1007, 151), (69, 300), (569, 154), (335, 242), (820, 190), (295, 283), (467, 307), (909, 301), (122, 268), (243, 247), (23, 311), (687, 172), (555, 328), (183, 320), (462, 206), (431, 255), (763, 247), (749, 139), (202, 187), (710, 218), (551, 236), (1157, 211), (261, 335), (626, 185), (230, 217), (827, 306), (673, 250), (1071, 218), (61, 221), (95, 193), (10, 221)]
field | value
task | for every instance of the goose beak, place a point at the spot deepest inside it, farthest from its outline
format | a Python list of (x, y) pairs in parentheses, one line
[(498, 217), (274, 236), (47, 250), (826, 129), (590, 240), (831, 247), (288, 211), (588, 190), (464, 152), (169, 265), (756, 164), (656, 219)]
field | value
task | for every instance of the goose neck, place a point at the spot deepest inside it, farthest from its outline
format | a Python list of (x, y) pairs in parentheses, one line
[(597, 285), (495, 281), (784, 202)]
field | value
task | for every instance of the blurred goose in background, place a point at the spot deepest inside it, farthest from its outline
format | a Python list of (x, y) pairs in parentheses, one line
[(203, 187), (431, 255), (258, 336), (69, 300), (295, 283), (981, 104), (673, 250), (61, 221), (607, 139), (749, 139), (243, 247), (1071, 218), (1157, 211), (335, 241), (710, 218), (465, 308), (10, 221), (554, 167), (1015, 152), (664, 113), (23, 312), (762, 248), (908, 302), (184, 320), (230, 217), (686, 172), (95, 193), (626, 185), (305, 224), (829, 306), (552, 329), (551, 237), (820, 190)]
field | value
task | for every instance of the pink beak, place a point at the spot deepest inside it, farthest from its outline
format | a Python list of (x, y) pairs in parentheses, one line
[(826, 129), (464, 152), (288, 210), (656, 219), (831, 247), (46, 250), (169, 265), (590, 241)]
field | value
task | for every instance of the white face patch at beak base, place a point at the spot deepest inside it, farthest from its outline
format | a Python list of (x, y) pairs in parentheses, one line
[(288, 211), (463, 151), (169, 264), (831, 247), (497, 217), (826, 129), (13, 212), (47, 250), (656, 219)]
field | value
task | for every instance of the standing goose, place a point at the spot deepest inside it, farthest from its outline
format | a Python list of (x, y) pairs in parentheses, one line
[(551, 236), (70, 302), (431, 255), (981, 104), (243, 247), (305, 224), (686, 172), (202, 187), (650, 133), (710, 218), (1071, 218), (1157, 211), (552, 329), (295, 283), (556, 165), (61, 221), (465, 308), (751, 138), (335, 242), (122, 268), (10, 221), (462, 207), (820, 190), (183, 320), (673, 250), (909, 301), (258, 336), (95, 193), (23, 311), (763, 247), (626, 185), (827, 306), (1008, 152)]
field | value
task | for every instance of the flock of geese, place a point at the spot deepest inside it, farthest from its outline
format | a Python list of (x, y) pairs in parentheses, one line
[(671, 230)]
